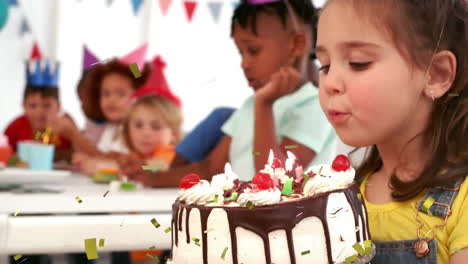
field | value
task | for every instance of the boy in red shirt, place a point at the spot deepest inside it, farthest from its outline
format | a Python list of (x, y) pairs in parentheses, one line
[(40, 104)]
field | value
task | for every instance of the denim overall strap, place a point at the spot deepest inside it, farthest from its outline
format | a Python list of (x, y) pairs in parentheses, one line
[(443, 198)]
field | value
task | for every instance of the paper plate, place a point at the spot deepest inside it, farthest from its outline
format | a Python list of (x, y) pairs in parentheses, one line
[(24, 176)]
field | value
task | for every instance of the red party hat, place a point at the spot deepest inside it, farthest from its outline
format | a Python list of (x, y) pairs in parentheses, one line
[(157, 84)]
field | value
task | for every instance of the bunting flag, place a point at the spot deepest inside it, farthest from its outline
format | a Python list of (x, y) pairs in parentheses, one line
[(109, 2), (24, 27), (136, 4), (3, 13), (215, 9), (190, 9), (12, 2), (35, 53), (164, 5)]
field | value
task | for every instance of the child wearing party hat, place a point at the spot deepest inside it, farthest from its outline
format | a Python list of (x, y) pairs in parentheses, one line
[(41, 103), (105, 91)]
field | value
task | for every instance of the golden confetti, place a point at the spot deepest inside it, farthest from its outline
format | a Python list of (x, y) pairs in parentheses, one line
[(78, 199), (153, 168), (305, 252), (17, 257), (224, 253), (135, 71), (155, 223), (426, 206), (358, 248), (351, 259), (91, 249), (16, 213), (101, 242)]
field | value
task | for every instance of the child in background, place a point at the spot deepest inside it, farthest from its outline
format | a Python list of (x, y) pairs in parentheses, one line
[(40, 103), (284, 111), (395, 77), (152, 128)]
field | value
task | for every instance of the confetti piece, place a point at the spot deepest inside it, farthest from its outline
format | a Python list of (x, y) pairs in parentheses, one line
[(127, 186), (155, 258), (101, 242), (208, 230), (291, 147), (196, 240), (37, 136), (250, 205), (167, 230), (105, 194), (78, 199), (299, 214), (135, 71), (91, 249), (368, 246), (256, 153), (153, 168), (155, 223), (427, 205), (453, 94), (152, 248), (224, 253), (17, 257), (216, 198), (305, 252), (16, 213), (358, 248), (359, 197), (351, 259)]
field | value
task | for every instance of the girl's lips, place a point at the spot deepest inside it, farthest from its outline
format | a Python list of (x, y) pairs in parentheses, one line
[(337, 117)]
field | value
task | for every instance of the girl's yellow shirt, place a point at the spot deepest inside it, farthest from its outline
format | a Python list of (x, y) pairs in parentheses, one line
[(396, 221)]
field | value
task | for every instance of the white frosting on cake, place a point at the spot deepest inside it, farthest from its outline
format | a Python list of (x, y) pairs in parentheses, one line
[(200, 193), (327, 180), (266, 197)]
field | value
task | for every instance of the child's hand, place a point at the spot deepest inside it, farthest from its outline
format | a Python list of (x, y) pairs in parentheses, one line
[(285, 81), (130, 165), (62, 125)]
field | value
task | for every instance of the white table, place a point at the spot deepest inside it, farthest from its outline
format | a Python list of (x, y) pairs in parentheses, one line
[(64, 230)]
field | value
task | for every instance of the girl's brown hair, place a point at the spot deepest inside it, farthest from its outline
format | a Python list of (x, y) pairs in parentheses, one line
[(169, 112), (419, 29), (90, 85)]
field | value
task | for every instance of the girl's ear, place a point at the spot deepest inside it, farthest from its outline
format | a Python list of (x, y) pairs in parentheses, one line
[(441, 74)]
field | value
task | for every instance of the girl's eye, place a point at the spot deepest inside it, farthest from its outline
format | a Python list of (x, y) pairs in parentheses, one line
[(324, 69), (156, 126), (360, 66), (138, 124)]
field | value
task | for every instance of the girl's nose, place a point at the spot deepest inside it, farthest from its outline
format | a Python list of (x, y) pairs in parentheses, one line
[(332, 82)]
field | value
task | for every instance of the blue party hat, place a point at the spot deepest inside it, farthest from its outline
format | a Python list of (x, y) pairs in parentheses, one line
[(42, 73)]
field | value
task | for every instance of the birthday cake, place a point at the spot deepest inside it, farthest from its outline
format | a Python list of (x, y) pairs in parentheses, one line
[(282, 216)]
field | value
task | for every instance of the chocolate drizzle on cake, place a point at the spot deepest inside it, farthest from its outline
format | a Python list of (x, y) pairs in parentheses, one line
[(265, 219)]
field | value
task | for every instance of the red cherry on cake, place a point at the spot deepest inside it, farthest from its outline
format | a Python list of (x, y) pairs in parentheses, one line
[(189, 180), (341, 163), (263, 181), (276, 163)]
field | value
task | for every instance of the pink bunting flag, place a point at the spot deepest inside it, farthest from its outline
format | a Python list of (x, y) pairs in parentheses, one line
[(164, 5), (137, 56)]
